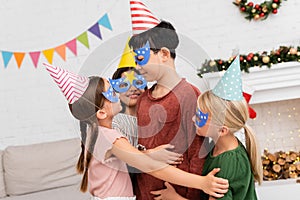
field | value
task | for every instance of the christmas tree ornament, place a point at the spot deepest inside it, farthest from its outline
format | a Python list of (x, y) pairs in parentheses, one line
[(266, 59), (293, 51)]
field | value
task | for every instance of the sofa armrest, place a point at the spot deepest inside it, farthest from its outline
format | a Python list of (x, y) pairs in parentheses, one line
[(2, 185), (38, 167)]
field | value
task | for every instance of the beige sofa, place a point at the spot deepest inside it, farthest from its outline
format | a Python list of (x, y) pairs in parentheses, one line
[(41, 172)]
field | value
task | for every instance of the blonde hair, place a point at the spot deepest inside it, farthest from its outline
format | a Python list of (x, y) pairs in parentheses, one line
[(234, 115)]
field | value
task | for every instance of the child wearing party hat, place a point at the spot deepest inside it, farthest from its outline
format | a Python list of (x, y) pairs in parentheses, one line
[(164, 111), (125, 84), (105, 151), (130, 85), (220, 113), (127, 81)]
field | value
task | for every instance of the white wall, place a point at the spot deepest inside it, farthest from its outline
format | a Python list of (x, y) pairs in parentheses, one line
[(31, 106)]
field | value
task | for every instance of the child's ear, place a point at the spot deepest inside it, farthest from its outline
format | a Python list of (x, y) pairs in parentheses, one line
[(165, 52), (101, 114), (224, 130)]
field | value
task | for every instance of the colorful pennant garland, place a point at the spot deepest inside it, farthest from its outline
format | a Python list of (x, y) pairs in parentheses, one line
[(61, 49)]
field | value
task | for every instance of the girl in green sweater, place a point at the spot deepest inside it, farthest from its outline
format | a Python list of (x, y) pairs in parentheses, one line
[(220, 113)]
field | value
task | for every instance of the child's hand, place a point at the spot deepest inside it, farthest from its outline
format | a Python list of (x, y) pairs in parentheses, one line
[(167, 194), (163, 154), (215, 186)]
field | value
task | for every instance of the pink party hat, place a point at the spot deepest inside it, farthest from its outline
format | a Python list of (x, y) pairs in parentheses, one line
[(72, 85), (141, 17)]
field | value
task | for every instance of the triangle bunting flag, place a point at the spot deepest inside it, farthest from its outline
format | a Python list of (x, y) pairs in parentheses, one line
[(49, 55), (19, 58), (83, 38), (61, 51), (6, 57), (104, 21), (72, 46), (96, 31), (35, 57)]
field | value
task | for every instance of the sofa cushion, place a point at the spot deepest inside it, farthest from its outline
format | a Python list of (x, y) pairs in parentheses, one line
[(62, 193), (38, 167), (2, 186)]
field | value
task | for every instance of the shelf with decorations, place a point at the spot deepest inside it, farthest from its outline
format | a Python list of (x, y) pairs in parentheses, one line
[(281, 82)]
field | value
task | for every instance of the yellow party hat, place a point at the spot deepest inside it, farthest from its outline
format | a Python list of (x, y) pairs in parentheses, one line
[(127, 59)]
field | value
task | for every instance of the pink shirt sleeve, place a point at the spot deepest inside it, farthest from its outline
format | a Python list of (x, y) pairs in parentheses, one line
[(106, 138)]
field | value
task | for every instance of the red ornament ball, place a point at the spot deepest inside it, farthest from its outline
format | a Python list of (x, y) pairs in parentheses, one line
[(250, 4), (275, 1), (262, 14), (274, 11), (243, 9)]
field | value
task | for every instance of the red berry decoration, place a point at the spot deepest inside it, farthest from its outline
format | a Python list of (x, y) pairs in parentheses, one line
[(262, 14), (274, 11), (243, 9), (275, 1), (250, 4)]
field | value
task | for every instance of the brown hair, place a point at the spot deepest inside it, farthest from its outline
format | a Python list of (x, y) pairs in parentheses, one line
[(84, 109), (162, 35), (234, 115)]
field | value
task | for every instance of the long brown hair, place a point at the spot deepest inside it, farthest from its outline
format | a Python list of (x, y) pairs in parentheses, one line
[(84, 109), (234, 115)]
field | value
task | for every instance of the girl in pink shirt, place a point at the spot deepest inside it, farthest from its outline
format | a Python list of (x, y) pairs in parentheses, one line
[(104, 164)]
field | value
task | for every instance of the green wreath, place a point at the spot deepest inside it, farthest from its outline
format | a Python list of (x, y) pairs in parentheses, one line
[(258, 11)]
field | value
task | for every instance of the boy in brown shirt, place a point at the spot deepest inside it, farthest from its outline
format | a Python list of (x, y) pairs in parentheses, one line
[(165, 111)]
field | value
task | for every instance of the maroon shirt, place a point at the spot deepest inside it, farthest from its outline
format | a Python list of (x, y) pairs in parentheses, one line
[(168, 120)]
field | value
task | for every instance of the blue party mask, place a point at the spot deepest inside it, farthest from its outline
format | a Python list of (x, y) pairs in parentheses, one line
[(123, 84), (120, 85), (110, 95), (142, 54), (140, 82), (201, 118)]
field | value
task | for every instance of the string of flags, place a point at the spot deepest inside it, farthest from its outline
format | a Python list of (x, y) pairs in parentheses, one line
[(61, 49)]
